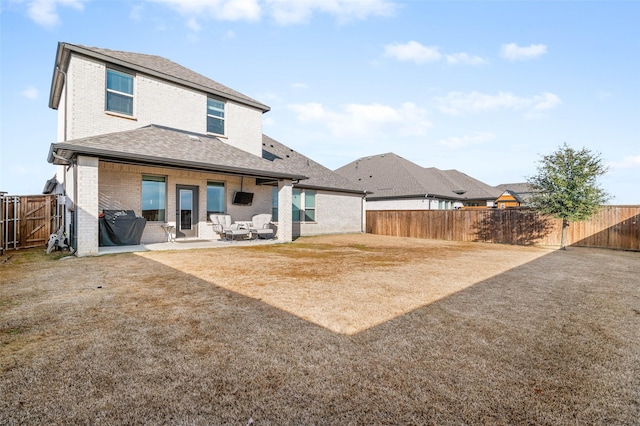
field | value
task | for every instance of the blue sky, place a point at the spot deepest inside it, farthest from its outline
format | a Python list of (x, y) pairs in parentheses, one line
[(484, 87)]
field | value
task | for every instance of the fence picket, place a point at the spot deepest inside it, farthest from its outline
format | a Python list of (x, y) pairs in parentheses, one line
[(615, 227)]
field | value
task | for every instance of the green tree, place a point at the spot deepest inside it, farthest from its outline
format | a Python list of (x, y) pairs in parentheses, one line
[(566, 186)]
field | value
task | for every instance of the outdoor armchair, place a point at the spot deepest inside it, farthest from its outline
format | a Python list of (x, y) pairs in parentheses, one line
[(262, 225)]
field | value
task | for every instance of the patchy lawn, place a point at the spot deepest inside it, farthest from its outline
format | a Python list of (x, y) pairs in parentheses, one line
[(349, 329)]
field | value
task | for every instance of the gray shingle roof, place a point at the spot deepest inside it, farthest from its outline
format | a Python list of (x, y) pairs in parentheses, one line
[(520, 187), (391, 176), (474, 189), (163, 146), (149, 64), (320, 177)]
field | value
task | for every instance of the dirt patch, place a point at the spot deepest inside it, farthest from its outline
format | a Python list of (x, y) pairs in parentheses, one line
[(354, 329)]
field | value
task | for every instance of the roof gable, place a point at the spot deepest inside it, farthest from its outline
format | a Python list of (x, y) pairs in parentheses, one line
[(148, 64), (391, 176)]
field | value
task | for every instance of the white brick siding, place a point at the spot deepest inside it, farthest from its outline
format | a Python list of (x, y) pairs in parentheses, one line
[(335, 213), (86, 207), (155, 102), (121, 188), (403, 204)]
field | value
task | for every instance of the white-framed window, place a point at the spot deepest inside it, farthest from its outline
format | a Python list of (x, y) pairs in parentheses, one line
[(119, 92), (215, 198), (154, 198), (304, 205), (215, 116)]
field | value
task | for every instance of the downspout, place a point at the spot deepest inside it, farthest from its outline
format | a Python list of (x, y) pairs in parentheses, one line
[(64, 139), (363, 213)]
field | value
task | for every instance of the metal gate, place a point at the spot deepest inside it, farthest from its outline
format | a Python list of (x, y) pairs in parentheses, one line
[(28, 221)]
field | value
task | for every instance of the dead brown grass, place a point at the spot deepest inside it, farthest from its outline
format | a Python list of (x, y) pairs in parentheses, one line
[(350, 329)]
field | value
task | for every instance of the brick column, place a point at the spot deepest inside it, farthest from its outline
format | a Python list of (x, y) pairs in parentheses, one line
[(87, 206), (285, 214)]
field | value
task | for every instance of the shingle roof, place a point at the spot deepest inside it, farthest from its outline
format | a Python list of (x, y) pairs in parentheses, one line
[(391, 176), (320, 177), (522, 189), (163, 146), (148, 64), (474, 189)]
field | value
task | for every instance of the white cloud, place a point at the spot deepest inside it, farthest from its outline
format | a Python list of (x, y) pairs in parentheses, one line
[(30, 93), (45, 12), (135, 13), (284, 12), (357, 120), (412, 52), (299, 86), (513, 52), (476, 138), (193, 25), (223, 10), (465, 59), (287, 12), (229, 35), (546, 101), (631, 162), (456, 103)]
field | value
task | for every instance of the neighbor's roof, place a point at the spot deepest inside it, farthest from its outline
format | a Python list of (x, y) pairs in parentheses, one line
[(391, 176), (320, 177), (473, 188), (166, 147), (522, 189), (514, 195), (153, 65), (519, 188)]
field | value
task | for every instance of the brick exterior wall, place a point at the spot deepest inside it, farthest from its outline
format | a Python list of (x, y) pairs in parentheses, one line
[(121, 188), (335, 213), (403, 204), (86, 207), (155, 102)]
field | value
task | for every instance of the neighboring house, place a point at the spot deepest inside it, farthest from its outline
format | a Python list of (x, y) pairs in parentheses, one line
[(521, 193), (139, 132), (509, 199), (394, 183)]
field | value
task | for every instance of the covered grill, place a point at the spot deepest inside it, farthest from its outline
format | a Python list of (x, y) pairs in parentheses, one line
[(121, 228)]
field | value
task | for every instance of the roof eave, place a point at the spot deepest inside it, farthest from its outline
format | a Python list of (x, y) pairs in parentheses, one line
[(57, 79), (120, 157), (335, 189)]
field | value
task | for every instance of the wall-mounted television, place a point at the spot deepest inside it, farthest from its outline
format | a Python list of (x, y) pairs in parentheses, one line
[(243, 198)]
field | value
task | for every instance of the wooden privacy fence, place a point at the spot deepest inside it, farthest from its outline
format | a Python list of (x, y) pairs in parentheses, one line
[(615, 227), (27, 221)]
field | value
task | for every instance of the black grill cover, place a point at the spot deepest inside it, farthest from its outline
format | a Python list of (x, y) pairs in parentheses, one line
[(121, 228)]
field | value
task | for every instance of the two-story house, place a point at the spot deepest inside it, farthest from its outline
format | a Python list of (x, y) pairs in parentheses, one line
[(140, 132)]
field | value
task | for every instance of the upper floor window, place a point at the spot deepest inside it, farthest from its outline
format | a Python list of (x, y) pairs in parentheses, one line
[(215, 116), (119, 92)]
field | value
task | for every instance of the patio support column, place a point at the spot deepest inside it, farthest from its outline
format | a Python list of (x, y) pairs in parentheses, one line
[(285, 214), (86, 206)]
